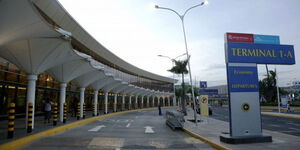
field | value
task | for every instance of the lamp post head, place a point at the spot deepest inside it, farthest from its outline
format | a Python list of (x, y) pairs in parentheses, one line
[(156, 6), (205, 2)]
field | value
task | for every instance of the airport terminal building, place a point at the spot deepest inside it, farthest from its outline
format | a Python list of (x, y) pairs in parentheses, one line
[(45, 53)]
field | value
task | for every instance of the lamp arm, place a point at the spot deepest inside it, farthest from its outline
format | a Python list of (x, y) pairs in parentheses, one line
[(191, 8), (171, 10)]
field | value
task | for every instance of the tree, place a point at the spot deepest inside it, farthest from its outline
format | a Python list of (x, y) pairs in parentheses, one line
[(267, 87), (180, 68), (196, 91)]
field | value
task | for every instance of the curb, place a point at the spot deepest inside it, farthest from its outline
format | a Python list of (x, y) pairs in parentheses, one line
[(18, 143), (206, 140), (281, 115), (276, 109)]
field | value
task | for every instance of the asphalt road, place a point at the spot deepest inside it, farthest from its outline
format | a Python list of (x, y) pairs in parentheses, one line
[(139, 130), (278, 124)]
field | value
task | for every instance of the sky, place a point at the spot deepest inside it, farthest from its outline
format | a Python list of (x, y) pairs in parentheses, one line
[(137, 32)]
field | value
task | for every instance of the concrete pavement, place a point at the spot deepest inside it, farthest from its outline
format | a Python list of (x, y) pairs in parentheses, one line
[(273, 121), (212, 128), (136, 130)]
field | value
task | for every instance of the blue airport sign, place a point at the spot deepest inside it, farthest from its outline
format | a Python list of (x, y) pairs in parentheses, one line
[(266, 39), (208, 91), (242, 79), (203, 84), (260, 53)]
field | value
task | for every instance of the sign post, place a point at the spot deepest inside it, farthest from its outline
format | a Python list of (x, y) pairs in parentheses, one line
[(204, 105), (242, 53)]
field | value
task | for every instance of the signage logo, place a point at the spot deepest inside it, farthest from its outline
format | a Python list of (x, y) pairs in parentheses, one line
[(204, 100), (203, 84), (240, 37), (245, 107)]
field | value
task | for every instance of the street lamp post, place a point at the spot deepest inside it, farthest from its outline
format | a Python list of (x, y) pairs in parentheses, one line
[(173, 64), (186, 47)]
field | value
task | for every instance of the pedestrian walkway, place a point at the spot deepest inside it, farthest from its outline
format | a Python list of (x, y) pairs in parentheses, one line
[(212, 129), (39, 125)]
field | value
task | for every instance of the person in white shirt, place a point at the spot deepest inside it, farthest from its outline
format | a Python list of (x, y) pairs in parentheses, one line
[(47, 110)]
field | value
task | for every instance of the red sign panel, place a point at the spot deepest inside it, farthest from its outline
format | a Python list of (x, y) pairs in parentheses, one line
[(240, 37)]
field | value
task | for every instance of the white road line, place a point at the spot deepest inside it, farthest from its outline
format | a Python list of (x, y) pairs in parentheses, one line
[(274, 125), (97, 128), (295, 124), (294, 129), (128, 125), (290, 131), (149, 129)]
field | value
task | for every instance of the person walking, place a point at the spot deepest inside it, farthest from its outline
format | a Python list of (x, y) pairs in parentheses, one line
[(47, 110), (159, 109), (75, 103)]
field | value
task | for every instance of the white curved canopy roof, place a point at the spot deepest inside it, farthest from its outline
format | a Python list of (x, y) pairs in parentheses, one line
[(34, 46), (55, 11)]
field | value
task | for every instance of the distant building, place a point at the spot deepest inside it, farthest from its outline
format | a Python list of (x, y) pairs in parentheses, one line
[(292, 89), (222, 93), (296, 83)]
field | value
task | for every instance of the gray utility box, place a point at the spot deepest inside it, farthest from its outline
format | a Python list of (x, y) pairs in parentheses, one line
[(174, 119)]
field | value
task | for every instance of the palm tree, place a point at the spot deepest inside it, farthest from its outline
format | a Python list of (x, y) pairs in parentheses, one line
[(180, 68), (267, 87)]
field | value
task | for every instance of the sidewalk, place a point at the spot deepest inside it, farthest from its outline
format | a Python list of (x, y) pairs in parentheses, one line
[(211, 129), (39, 125)]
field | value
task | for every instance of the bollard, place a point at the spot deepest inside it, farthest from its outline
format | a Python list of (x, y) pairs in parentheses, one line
[(29, 121), (65, 113), (93, 109), (83, 116), (11, 121), (78, 111), (98, 107), (55, 114)]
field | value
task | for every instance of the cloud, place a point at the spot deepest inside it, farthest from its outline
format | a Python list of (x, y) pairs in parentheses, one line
[(215, 67)]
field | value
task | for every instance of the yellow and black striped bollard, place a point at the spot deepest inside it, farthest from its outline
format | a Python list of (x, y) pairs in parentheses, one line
[(84, 110), (55, 114), (29, 121), (93, 109), (65, 113), (78, 111), (11, 121)]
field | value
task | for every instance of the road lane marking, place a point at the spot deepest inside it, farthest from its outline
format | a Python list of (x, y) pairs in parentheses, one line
[(274, 125), (106, 143), (294, 129), (117, 120), (291, 131), (148, 129), (128, 125), (295, 124), (158, 144), (97, 128), (191, 140)]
